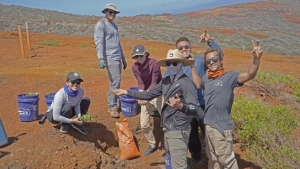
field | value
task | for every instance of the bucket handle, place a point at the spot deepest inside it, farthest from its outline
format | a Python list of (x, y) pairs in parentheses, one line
[(32, 103)]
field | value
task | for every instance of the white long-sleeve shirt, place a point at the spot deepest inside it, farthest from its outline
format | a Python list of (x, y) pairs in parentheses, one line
[(61, 98), (106, 37)]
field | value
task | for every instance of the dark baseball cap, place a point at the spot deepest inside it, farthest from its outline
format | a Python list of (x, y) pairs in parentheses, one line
[(73, 76), (138, 50)]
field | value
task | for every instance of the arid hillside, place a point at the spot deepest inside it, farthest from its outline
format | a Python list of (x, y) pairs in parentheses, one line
[(275, 23), (44, 70)]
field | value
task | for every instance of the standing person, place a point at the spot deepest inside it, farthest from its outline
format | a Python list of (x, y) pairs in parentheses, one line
[(218, 86), (69, 102), (183, 44), (110, 53), (180, 101), (148, 75)]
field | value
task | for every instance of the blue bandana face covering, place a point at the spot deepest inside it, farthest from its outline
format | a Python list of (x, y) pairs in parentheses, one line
[(174, 70), (70, 93)]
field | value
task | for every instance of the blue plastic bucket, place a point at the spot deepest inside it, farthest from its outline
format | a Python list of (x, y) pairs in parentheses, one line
[(28, 107), (3, 137), (136, 89), (49, 98), (168, 161), (129, 106)]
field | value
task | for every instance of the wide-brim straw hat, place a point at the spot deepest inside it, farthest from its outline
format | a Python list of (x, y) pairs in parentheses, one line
[(111, 7), (175, 55)]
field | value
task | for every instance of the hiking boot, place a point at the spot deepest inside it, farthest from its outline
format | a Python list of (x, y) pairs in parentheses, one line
[(113, 113), (64, 128), (149, 151), (79, 128)]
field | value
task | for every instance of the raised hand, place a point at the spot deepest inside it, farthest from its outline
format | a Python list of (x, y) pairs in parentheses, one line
[(119, 92), (256, 52), (204, 37), (175, 102)]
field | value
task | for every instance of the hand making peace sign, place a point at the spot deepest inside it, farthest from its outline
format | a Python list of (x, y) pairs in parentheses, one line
[(256, 52)]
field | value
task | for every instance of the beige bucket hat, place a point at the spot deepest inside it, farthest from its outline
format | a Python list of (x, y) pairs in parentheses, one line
[(175, 55), (111, 7)]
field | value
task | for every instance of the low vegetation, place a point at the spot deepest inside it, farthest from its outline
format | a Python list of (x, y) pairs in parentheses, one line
[(49, 43), (265, 131), (84, 45)]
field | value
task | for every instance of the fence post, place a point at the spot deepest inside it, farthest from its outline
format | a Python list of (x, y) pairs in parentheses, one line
[(21, 41), (28, 38)]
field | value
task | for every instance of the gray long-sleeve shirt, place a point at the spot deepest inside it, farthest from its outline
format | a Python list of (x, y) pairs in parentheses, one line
[(172, 118), (106, 37), (61, 98)]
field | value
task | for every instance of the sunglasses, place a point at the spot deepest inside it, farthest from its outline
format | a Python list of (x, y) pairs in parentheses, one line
[(75, 81), (173, 63), (138, 56), (214, 59), (112, 12), (185, 47)]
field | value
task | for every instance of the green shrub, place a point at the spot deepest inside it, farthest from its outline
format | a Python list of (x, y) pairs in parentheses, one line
[(266, 132), (85, 45), (272, 83), (49, 43)]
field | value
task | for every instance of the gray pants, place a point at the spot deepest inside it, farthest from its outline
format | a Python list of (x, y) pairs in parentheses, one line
[(176, 143), (113, 68)]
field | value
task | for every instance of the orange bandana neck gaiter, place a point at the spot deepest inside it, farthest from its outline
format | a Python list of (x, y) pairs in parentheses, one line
[(216, 74)]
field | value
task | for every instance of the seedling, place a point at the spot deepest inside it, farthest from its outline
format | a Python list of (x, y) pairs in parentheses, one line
[(86, 117), (32, 94)]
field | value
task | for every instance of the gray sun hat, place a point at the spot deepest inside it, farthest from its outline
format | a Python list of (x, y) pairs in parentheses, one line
[(111, 7)]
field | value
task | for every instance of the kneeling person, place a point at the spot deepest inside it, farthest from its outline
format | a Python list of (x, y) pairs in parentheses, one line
[(69, 102)]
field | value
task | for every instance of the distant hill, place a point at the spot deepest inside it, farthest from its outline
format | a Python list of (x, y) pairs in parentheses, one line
[(275, 23)]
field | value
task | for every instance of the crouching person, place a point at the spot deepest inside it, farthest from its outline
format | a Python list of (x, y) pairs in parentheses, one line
[(180, 101), (69, 102)]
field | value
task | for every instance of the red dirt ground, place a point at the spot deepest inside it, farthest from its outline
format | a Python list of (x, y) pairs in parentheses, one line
[(44, 70)]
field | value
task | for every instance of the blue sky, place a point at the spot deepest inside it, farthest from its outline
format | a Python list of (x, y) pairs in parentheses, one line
[(127, 7)]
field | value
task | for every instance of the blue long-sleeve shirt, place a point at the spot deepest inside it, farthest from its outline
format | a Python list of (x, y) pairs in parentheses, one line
[(201, 70), (106, 37)]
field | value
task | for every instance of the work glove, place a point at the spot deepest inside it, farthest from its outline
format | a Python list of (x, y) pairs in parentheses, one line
[(102, 64), (124, 64)]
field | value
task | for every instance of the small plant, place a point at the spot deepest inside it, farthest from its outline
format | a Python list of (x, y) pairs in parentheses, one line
[(49, 43), (85, 45), (32, 94), (86, 117)]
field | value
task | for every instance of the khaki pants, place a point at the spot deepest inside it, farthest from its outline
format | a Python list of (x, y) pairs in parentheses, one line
[(176, 142), (219, 149), (145, 118)]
